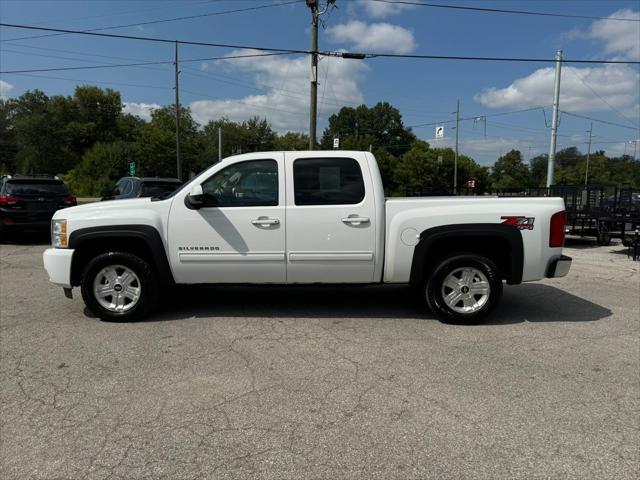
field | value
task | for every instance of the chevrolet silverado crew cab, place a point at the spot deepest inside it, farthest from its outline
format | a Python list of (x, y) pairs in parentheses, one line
[(316, 217)]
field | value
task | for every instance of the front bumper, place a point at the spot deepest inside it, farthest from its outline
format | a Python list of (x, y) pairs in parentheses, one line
[(559, 267), (57, 263)]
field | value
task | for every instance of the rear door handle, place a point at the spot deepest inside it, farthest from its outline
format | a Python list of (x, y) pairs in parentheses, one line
[(265, 221), (355, 220)]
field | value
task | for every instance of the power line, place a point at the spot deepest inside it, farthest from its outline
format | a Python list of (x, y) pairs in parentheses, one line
[(479, 58), (165, 20), (323, 53), (97, 82), (152, 39), (115, 65), (600, 121), (499, 114), (502, 10), (128, 12), (615, 110)]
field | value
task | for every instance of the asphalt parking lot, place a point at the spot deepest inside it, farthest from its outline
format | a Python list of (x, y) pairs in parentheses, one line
[(323, 382)]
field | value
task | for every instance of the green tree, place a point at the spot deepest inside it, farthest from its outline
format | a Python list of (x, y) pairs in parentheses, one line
[(292, 141), (359, 128), (8, 146), (510, 171), (538, 170), (155, 145), (100, 168), (252, 135)]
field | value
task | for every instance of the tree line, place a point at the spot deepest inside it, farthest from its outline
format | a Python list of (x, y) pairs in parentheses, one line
[(89, 141)]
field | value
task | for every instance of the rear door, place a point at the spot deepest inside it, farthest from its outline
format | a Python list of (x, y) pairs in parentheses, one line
[(331, 220)]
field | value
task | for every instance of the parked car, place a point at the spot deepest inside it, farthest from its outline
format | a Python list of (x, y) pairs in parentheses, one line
[(29, 202), (136, 187), (305, 218)]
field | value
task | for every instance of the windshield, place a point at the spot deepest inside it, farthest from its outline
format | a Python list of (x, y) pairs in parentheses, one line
[(158, 189), (36, 187)]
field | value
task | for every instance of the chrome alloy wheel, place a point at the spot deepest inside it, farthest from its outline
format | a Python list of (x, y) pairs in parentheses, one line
[(466, 290), (117, 288)]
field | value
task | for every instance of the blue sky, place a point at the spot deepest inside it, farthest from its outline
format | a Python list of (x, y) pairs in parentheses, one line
[(424, 90)]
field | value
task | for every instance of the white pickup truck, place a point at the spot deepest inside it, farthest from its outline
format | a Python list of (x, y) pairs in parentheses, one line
[(316, 217)]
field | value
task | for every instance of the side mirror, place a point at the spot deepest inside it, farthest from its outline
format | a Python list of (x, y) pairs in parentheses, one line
[(196, 197)]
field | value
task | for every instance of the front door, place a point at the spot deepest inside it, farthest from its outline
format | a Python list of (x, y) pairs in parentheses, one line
[(238, 235), (330, 220)]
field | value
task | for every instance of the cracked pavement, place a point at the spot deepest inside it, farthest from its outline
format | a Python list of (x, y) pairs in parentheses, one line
[(315, 382)]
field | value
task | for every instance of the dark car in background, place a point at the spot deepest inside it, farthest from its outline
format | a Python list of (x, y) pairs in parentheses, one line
[(136, 187), (29, 202)]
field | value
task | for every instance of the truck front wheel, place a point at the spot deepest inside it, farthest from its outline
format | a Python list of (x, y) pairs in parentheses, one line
[(119, 286), (463, 288)]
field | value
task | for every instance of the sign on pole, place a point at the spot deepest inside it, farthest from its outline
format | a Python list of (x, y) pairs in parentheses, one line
[(440, 132), (132, 168), (336, 143)]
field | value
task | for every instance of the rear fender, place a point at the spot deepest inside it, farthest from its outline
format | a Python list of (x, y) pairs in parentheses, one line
[(462, 237)]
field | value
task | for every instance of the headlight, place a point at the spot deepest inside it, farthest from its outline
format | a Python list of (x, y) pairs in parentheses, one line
[(59, 233)]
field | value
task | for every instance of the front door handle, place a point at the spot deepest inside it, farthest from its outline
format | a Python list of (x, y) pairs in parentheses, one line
[(265, 221), (355, 220)]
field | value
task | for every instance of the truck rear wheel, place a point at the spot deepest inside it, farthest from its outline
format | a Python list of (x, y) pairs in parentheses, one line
[(119, 286), (463, 288)]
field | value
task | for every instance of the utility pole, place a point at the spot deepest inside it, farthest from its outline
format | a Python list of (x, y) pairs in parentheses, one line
[(455, 158), (219, 144), (178, 166), (313, 105), (554, 120), (586, 171)]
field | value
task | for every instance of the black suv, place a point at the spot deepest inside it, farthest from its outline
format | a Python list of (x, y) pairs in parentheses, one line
[(134, 187), (29, 202)]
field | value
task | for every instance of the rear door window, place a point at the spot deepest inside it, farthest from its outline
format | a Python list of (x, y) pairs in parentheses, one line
[(327, 181)]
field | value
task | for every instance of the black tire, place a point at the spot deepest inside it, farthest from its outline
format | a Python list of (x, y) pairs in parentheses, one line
[(148, 283), (433, 288)]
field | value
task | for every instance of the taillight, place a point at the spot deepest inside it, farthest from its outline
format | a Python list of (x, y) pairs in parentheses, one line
[(556, 233), (7, 200), (70, 200)]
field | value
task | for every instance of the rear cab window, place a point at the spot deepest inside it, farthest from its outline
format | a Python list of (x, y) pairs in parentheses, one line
[(327, 181)]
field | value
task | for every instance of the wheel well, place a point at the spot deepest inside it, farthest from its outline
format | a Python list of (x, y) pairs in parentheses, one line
[(90, 248), (494, 247)]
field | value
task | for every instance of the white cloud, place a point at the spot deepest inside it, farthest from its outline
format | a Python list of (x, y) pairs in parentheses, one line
[(617, 84), (619, 38), (374, 37), (142, 110), (380, 9), (5, 89), (285, 81)]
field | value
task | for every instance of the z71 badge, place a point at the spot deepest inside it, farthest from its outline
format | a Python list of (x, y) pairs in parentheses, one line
[(521, 223)]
